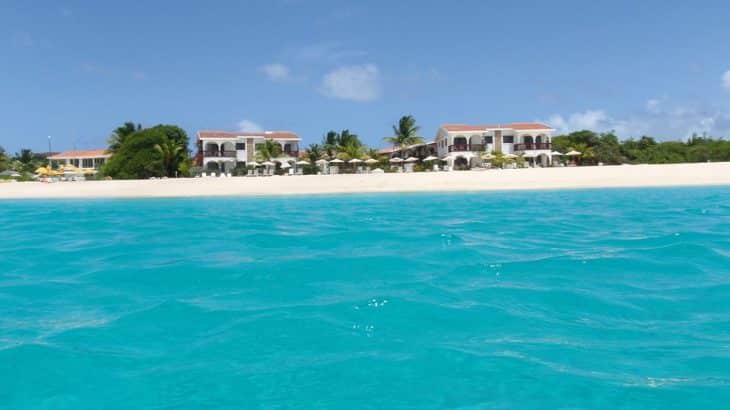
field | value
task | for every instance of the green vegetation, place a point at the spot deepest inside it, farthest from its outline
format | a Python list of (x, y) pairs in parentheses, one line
[(268, 150), (334, 143), (405, 133), (120, 134), (606, 148), (160, 151), (4, 160), (25, 162)]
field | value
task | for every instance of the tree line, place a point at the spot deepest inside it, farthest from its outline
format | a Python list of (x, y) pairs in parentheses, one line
[(162, 150), (606, 148)]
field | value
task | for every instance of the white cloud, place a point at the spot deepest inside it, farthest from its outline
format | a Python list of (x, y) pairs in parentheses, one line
[(249, 126), (726, 80), (276, 72), (652, 105), (355, 83), (660, 119), (586, 120)]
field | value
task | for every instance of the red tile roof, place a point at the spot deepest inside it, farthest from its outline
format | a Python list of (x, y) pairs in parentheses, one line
[(90, 153), (286, 135), (514, 126)]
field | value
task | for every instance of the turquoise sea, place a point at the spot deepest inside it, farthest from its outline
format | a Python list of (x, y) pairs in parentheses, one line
[(530, 300)]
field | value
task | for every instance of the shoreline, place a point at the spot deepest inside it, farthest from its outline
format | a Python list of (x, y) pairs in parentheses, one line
[(595, 177)]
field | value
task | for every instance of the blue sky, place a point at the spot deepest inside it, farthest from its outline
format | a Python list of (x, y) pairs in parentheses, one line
[(75, 70)]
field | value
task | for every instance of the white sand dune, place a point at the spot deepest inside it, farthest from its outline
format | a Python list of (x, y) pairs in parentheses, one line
[(516, 179)]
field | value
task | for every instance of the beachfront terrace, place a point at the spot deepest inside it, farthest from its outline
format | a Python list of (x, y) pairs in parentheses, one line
[(460, 144), (223, 151)]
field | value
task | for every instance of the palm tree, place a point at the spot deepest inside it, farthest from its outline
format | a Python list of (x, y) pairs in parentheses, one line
[(406, 133), (268, 150), (330, 142), (314, 153), (586, 153), (346, 138), (373, 153), (121, 133), (4, 159), (350, 151), (170, 156)]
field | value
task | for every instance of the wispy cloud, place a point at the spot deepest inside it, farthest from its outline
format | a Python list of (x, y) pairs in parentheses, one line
[(660, 118), (325, 53), (726, 80), (121, 73), (355, 83), (249, 126), (276, 72), (23, 39)]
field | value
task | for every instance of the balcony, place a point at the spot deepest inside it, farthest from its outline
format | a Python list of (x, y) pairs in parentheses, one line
[(225, 154), (294, 154), (467, 147), (529, 147)]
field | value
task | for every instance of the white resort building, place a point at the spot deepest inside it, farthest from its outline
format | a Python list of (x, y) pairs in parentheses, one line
[(222, 151), (88, 159), (462, 146)]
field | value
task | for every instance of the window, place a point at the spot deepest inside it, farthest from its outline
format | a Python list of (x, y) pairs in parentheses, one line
[(489, 139), (508, 139), (240, 146), (88, 163)]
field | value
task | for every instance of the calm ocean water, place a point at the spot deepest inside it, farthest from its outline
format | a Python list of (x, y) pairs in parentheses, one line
[(564, 299)]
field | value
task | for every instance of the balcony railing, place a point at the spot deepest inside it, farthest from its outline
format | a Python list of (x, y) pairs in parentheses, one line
[(466, 147), (227, 154), (534, 146), (294, 154)]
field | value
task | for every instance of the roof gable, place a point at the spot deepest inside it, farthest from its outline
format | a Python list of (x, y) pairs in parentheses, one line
[(519, 126), (90, 153), (288, 135)]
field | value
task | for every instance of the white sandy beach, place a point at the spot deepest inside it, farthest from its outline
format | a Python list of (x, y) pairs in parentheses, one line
[(515, 179)]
